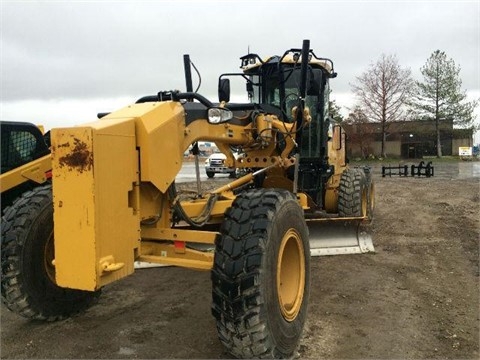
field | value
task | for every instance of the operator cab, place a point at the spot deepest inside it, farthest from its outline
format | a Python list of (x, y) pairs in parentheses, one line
[(274, 86), (278, 84)]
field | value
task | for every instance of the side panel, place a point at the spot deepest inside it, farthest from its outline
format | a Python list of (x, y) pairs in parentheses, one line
[(160, 137), (160, 134), (95, 170), (35, 170), (336, 157)]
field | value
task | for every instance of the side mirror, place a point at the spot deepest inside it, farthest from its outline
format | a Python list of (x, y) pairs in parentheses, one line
[(224, 90)]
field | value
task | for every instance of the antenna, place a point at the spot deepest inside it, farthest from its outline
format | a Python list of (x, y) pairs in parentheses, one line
[(188, 72)]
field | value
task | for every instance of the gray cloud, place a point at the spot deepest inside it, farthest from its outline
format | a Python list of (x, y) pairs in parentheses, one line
[(78, 50)]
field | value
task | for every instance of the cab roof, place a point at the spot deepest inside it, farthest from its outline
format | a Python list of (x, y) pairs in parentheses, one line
[(252, 63)]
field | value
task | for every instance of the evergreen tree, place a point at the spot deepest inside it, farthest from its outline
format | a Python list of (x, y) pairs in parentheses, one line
[(439, 97), (334, 111)]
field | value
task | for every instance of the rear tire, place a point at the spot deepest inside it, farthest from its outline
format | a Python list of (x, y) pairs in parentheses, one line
[(352, 194), (28, 277), (261, 275)]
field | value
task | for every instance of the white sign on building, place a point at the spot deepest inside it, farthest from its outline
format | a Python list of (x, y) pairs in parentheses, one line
[(465, 151)]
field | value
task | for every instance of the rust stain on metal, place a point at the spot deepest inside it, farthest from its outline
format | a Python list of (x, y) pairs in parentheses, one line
[(80, 159)]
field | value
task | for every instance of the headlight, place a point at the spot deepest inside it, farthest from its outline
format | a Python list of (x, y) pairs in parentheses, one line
[(219, 115)]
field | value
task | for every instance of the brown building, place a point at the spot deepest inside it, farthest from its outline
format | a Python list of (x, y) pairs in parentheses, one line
[(405, 139)]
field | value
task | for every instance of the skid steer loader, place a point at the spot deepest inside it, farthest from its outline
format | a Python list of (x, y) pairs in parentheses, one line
[(25, 159), (115, 202)]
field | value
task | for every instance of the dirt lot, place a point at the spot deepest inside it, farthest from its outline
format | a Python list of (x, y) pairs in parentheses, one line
[(417, 297)]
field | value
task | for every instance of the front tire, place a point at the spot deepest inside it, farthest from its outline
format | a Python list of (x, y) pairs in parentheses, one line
[(210, 174), (261, 275), (28, 277)]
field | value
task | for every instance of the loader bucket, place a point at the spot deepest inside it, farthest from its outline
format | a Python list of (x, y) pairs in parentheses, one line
[(338, 237)]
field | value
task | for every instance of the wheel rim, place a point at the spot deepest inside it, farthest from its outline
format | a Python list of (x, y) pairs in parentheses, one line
[(48, 257), (372, 197), (291, 275), (364, 202)]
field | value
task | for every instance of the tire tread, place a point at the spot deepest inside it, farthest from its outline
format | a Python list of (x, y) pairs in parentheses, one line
[(16, 223), (237, 299), (350, 193)]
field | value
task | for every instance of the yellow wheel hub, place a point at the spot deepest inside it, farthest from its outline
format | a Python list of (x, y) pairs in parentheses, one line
[(372, 196), (49, 256), (291, 275), (364, 202)]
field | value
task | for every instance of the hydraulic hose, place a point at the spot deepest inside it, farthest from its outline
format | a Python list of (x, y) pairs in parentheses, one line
[(197, 221)]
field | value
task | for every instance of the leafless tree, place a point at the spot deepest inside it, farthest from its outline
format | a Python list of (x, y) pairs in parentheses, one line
[(382, 92)]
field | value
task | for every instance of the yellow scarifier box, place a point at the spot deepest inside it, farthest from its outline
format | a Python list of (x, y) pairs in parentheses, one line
[(95, 178)]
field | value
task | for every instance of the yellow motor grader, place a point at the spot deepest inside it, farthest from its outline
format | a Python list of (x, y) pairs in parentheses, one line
[(115, 203)]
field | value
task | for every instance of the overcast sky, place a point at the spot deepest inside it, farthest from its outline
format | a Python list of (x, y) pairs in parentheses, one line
[(64, 61)]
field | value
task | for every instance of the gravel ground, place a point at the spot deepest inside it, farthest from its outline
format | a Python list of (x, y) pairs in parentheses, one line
[(417, 297)]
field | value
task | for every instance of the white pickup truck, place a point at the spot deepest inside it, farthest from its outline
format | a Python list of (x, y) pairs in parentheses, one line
[(215, 164)]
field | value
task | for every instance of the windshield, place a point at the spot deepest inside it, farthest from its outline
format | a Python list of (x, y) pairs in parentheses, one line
[(281, 89), (286, 97)]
